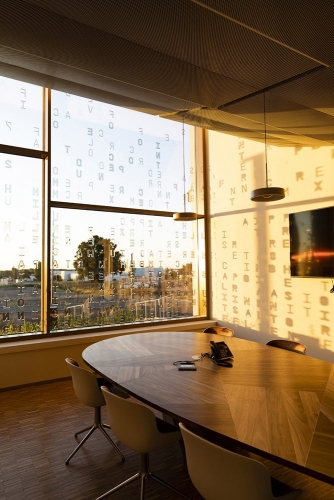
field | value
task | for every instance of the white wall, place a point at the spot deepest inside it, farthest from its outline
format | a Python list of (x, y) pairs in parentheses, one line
[(252, 290)]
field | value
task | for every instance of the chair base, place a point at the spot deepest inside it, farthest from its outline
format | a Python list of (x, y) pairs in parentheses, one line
[(97, 425), (143, 474)]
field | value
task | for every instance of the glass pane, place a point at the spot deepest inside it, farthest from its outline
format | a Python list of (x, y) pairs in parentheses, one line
[(21, 244), (21, 114), (112, 268), (106, 155)]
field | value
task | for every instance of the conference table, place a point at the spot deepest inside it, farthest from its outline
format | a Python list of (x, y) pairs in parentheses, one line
[(272, 402)]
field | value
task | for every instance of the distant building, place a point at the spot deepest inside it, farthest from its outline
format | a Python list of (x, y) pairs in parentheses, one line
[(66, 274)]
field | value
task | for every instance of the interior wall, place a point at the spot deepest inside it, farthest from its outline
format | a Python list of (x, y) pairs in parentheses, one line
[(43, 359), (252, 289)]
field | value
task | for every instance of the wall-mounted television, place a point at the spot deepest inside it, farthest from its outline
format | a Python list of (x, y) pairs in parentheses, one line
[(312, 243)]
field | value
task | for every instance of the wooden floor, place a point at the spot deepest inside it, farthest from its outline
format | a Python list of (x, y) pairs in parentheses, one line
[(37, 426)]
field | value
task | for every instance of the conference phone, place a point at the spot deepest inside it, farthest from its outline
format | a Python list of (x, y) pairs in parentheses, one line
[(221, 353)]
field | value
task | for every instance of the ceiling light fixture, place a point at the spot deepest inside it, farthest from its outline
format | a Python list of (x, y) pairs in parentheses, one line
[(184, 216), (267, 193)]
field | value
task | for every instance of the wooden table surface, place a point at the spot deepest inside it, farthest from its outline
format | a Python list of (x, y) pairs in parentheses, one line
[(273, 402)]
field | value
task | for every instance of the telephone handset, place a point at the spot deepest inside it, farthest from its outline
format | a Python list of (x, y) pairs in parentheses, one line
[(220, 353)]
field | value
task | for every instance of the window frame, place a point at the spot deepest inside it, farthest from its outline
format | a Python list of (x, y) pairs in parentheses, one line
[(45, 154)]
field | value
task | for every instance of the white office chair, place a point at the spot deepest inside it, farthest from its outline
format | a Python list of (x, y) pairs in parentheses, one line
[(219, 474), (136, 426), (87, 390)]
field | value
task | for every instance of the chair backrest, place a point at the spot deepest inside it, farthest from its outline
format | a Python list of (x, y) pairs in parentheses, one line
[(135, 424), (289, 345), (218, 473), (220, 330), (85, 385)]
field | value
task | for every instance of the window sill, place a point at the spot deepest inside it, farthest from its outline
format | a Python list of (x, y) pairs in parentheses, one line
[(89, 338)]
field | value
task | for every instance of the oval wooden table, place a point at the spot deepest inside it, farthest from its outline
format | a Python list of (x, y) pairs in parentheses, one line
[(273, 402)]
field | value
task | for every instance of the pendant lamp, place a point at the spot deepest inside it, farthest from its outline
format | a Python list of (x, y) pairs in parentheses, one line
[(267, 193), (184, 216)]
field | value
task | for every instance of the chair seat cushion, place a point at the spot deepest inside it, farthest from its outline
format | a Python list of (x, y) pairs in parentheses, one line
[(279, 489), (112, 388), (164, 426)]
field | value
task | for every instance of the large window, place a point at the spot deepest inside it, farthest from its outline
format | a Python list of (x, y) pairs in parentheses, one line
[(88, 235)]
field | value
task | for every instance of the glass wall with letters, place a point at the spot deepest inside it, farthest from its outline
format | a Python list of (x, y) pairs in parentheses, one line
[(21, 244), (116, 268), (89, 240)]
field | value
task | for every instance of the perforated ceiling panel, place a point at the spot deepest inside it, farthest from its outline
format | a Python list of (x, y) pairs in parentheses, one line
[(205, 61)]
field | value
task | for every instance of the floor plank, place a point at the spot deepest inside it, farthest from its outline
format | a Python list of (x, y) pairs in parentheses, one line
[(37, 426)]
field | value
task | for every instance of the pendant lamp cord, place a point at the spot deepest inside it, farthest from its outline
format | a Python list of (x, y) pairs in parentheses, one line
[(265, 135), (184, 169)]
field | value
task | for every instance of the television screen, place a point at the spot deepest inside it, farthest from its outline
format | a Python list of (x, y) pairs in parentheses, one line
[(312, 243)]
